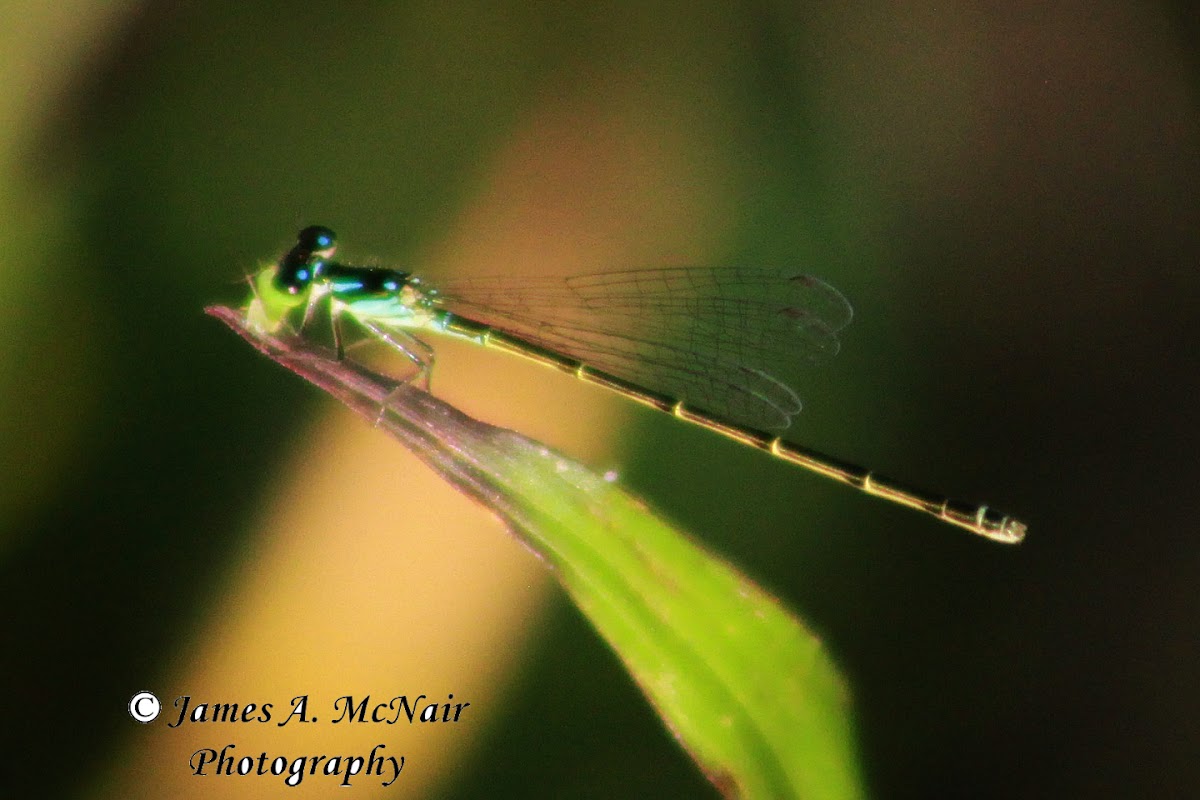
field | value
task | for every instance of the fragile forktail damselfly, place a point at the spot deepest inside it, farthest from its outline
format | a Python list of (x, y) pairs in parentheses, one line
[(699, 344)]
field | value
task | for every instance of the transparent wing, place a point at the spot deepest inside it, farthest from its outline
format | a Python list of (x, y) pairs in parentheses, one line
[(714, 338)]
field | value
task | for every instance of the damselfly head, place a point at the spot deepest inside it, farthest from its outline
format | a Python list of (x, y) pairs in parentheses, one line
[(289, 283), (301, 265)]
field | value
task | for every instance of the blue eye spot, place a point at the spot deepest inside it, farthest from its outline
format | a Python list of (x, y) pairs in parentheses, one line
[(391, 286), (302, 274)]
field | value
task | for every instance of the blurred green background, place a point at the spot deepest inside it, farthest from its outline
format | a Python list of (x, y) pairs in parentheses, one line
[(1008, 197)]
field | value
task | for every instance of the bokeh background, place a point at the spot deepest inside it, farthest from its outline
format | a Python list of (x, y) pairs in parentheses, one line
[(1008, 195)]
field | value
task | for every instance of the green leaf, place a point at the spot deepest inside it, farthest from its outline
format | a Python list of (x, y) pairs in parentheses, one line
[(745, 688)]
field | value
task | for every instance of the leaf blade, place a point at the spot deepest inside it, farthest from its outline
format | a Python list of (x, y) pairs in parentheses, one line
[(745, 688)]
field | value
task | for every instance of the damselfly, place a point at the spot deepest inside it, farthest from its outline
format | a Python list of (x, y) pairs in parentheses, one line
[(703, 345)]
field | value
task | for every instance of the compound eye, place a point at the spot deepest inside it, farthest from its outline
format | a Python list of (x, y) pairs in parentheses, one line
[(295, 276), (316, 240)]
